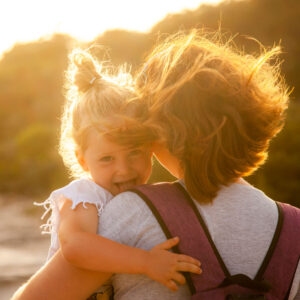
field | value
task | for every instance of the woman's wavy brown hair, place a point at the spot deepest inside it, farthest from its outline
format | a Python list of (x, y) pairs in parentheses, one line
[(217, 108)]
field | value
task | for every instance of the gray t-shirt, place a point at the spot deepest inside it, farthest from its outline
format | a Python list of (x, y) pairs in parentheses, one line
[(241, 221)]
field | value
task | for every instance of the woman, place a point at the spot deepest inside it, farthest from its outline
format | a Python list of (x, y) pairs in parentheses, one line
[(216, 110)]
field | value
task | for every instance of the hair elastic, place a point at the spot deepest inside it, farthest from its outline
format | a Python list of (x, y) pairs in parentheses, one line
[(92, 80)]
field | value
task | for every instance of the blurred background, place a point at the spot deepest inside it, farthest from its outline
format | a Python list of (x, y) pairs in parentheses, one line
[(36, 37)]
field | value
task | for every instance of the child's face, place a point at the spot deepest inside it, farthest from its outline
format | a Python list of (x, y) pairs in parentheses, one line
[(115, 167)]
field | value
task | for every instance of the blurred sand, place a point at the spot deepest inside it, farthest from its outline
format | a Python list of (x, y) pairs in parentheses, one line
[(22, 247)]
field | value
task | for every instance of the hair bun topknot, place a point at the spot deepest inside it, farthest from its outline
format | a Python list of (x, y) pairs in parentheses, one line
[(85, 74)]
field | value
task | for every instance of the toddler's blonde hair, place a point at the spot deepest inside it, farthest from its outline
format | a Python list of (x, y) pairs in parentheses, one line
[(216, 107), (98, 99)]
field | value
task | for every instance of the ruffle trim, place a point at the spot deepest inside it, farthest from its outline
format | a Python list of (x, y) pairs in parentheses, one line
[(47, 227), (53, 203), (50, 206)]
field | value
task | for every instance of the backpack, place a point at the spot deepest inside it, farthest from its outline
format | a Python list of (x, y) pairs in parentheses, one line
[(178, 216)]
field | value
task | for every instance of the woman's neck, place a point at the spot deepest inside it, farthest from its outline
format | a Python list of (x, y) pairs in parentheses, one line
[(168, 160), (242, 181)]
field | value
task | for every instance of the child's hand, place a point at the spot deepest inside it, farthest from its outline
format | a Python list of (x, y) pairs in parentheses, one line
[(164, 266)]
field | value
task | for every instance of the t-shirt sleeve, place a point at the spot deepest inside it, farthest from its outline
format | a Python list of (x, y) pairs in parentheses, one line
[(78, 191), (81, 191)]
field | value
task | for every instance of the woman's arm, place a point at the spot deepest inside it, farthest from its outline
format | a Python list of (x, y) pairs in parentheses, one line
[(59, 280), (83, 248)]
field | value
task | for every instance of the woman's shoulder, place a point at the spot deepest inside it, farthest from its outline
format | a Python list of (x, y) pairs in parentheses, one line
[(127, 219), (127, 207), (127, 201)]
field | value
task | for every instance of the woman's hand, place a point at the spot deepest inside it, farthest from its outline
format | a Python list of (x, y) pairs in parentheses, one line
[(165, 266)]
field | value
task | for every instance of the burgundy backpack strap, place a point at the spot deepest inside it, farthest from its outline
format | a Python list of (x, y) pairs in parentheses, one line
[(280, 263), (178, 216)]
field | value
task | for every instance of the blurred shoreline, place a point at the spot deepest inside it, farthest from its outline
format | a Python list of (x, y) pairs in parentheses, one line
[(23, 249)]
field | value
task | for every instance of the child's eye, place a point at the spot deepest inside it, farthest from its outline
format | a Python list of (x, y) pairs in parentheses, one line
[(135, 152), (106, 159)]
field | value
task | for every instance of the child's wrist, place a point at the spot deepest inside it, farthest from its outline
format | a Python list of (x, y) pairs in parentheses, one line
[(144, 262)]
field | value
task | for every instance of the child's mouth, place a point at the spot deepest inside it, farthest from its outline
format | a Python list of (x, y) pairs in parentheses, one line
[(125, 185)]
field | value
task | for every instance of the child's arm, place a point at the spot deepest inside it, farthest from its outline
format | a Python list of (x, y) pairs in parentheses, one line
[(82, 247)]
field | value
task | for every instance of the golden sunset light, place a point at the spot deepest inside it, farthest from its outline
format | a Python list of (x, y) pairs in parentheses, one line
[(23, 21), (103, 99)]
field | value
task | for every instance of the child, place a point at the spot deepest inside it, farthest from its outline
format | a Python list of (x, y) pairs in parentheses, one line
[(105, 146)]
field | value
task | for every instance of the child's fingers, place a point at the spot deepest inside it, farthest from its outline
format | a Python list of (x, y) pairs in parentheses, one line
[(188, 259), (171, 285), (178, 278), (168, 244), (187, 267)]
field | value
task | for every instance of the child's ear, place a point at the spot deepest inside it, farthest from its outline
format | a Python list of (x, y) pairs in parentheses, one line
[(81, 160)]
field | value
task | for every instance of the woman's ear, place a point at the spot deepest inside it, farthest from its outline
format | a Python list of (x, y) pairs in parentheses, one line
[(81, 160)]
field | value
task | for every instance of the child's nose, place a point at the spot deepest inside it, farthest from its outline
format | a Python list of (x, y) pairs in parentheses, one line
[(123, 167)]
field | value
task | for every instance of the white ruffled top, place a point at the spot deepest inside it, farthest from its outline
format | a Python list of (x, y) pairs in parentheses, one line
[(78, 191)]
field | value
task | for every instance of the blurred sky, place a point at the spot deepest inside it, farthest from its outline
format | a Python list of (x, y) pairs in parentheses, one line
[(28, 20)]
